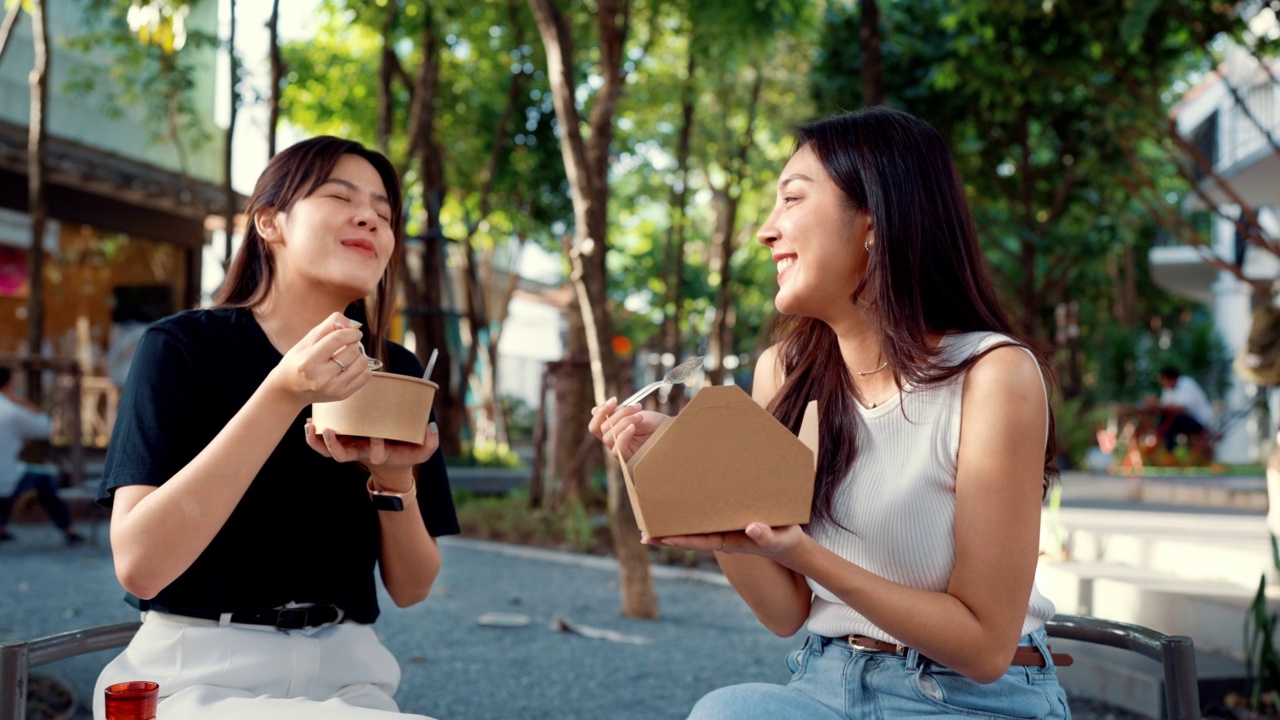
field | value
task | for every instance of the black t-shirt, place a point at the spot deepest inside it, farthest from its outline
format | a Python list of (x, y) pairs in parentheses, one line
[(305, 530)]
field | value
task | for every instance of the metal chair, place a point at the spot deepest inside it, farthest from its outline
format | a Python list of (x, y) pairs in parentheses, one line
[(18, 657), (1175, 652)]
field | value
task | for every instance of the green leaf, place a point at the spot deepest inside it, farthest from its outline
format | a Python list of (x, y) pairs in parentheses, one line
[(1135, 21)]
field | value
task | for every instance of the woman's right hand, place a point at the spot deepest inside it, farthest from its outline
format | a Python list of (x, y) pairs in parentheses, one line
[(626, 428), (327, 364)]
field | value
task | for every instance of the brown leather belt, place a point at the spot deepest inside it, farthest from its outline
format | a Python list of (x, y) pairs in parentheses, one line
[(1024, 655)]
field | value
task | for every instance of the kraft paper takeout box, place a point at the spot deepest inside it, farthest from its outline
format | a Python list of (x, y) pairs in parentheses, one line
[(389, 406), (720, 464)]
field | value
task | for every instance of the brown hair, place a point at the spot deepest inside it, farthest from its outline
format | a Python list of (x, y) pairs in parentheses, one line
[(926, 275), (294, 174)]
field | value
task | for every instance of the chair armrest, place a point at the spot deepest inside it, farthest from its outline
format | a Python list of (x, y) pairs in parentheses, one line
[(19, 656)]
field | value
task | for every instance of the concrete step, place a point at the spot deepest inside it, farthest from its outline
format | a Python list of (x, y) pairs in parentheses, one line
[(1224, 492), (1220, 548), (488, 481), (1213, 492), (1210, 613), (1135, 683)]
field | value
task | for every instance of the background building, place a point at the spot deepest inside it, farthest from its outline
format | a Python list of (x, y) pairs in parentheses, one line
[(126, 223), (1238, 137)]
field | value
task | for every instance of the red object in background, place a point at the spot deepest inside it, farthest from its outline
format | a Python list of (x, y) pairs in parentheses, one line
[(13, 272), (622, 345), (132, 700)]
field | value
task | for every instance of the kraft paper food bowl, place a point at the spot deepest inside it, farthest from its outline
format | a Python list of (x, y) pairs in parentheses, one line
[(390, 406)]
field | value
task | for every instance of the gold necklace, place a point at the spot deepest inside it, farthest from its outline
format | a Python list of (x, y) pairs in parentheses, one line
[(863, 373), (860, 373), (873, 405)]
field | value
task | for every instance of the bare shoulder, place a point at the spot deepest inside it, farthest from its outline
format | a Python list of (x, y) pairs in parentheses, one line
[(768, 375), (1006, 374)]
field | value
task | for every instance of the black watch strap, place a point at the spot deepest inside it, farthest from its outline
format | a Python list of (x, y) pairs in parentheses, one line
[(387, 500)]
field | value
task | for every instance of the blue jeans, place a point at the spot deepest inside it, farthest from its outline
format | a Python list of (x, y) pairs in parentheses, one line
[(46, 493), (831, 680)]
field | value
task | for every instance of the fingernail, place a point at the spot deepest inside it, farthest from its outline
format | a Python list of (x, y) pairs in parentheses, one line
[(433, 428), (328, 434)]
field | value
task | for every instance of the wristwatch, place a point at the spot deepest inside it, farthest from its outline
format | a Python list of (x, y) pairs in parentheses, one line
[(390, 501)]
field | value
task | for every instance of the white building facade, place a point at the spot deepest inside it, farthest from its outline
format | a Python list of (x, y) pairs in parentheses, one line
[(1233, 137)]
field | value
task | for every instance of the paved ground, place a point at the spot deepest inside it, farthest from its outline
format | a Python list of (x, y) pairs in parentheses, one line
[(455, 668)]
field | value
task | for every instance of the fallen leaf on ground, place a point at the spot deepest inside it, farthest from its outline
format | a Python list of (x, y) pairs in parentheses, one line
[(562, 624)]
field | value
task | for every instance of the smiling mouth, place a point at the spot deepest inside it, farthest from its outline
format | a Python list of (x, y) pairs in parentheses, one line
[(785, 263)]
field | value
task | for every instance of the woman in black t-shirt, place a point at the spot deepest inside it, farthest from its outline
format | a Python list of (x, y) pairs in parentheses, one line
[(249, 540)]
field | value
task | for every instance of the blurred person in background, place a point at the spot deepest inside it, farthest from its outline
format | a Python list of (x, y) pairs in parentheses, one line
[(20, 423), (1184, 408)]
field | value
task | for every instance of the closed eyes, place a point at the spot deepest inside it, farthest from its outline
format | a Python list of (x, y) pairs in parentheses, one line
[(346, 199)]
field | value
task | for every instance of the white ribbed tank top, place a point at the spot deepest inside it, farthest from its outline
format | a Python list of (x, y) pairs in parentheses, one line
[(899, 498)]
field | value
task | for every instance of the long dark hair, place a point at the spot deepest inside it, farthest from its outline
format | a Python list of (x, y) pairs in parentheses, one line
[(292, 175), (926, 275)]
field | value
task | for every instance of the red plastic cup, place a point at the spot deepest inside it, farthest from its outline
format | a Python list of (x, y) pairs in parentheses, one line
[(134, 700)]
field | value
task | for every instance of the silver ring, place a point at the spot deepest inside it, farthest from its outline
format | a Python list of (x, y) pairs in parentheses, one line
[(723, 541), (340, 364)]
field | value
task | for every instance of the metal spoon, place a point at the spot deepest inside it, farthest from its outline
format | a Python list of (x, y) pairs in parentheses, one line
[(677, 375), (431, 364)]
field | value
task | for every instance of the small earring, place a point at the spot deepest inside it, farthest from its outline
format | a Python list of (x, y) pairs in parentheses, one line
[(866, 245)]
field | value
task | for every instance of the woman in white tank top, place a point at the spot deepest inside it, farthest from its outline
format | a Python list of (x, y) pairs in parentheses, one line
[(915, 577)]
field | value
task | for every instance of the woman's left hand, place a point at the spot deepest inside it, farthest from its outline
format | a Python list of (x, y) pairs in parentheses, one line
[(776, 543), (380, 457)]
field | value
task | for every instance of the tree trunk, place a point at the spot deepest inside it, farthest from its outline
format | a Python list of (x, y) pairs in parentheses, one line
[(573, 398), (869, 34), (726, 226), (277, 72), (229, 193), (431, 331), (673, 260), (386, 99), (475, 313), (587, 168), (36, 205), (476, 304), (720, 342), (425, 288), (6, 27), (1129, 286), (1028, 309), (494, 336)]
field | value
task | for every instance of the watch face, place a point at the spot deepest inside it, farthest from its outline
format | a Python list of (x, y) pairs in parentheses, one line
[(388, 502)]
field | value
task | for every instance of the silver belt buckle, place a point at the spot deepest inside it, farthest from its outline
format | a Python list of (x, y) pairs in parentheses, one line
[(898, 648)]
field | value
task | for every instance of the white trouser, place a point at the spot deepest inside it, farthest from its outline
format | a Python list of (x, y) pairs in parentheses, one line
[(223, 671)]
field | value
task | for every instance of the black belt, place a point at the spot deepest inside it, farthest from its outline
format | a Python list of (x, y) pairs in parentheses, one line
[(294, 618)]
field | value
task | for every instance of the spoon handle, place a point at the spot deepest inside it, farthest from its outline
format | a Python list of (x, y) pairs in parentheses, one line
[(431, 364), (643, 392)]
